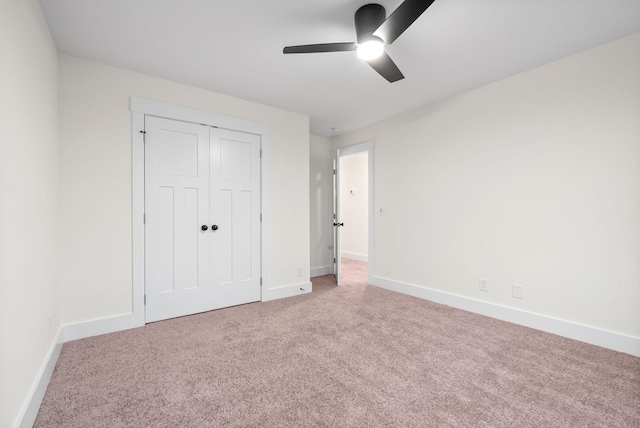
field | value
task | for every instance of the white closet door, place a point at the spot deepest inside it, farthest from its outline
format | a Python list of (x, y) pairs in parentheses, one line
[(202, 209), (235, 217), (177, 276)]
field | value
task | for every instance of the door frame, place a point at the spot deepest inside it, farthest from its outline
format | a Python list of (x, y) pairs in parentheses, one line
[(141, 107), (367, 147), (337, 236)]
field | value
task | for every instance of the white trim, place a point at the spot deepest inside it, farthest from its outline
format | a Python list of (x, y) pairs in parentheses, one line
[(186, 114), (29, 410), (594, 336), (139, 108), (264, 282), (100, 326), (583, 333), (354, 256), (286, 291), (337, 200), (321, 271), (356, 148), (137, 213)]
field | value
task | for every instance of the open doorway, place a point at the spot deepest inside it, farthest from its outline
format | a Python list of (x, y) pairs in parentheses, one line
[(353, 208)]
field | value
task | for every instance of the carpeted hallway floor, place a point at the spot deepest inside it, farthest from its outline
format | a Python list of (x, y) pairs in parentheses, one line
[(354, 355)]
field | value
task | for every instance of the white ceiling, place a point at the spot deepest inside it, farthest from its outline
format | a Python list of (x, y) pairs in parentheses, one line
[(235, 47)]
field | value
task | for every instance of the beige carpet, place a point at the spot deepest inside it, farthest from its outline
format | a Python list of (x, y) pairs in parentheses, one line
[(354, 355)]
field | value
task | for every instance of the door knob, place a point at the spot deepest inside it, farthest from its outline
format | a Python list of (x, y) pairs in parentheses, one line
[(204, 227), (214, 227)]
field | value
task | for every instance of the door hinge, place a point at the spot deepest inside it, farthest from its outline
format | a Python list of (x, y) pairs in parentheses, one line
[(334, 259), (144, 136), (334, 172)]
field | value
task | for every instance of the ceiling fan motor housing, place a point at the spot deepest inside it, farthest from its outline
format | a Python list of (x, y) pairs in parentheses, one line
[(367, 20)]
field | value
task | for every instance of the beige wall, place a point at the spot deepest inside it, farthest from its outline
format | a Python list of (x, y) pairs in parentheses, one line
[(354, 206), (534, 180), (95, 137), (321, 201), (29, 295)]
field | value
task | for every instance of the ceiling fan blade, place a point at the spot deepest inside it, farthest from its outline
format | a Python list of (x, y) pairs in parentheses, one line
[(324, 47), (401, 19), (385, 66)]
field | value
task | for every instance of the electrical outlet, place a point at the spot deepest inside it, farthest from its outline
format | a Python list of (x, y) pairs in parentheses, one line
[(299, 270), (483, 284), (517, 291)]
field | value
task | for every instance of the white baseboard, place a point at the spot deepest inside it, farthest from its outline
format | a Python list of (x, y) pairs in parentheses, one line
[(321, 271), (583, 333), (286, 291), (29, 411), (606, 339), (99, 326), (354, 256)]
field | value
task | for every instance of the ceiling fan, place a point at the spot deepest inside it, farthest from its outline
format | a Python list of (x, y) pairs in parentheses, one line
[(373, 31)]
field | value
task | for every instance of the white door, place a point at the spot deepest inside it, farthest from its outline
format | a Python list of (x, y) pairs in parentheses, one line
[(177, 278), (235, 217), (199, 229), (336, 218)]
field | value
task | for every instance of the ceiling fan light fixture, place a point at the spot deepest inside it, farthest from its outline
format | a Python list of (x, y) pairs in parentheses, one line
[(374, 30), (371, 49)]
